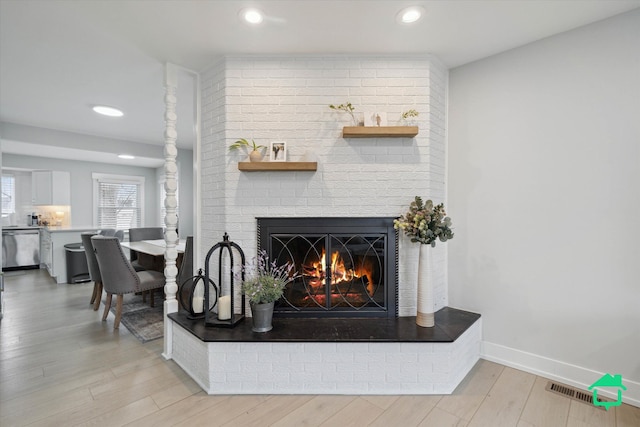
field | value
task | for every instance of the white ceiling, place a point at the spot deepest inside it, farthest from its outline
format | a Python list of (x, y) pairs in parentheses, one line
[(59, 57)]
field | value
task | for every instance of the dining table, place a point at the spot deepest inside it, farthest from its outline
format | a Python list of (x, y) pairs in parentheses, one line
[(151, 252)]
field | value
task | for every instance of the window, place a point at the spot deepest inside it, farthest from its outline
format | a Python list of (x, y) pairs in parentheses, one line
[(8, 194), (118, 201)]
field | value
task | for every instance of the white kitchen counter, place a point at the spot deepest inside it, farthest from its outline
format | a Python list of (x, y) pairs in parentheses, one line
[(67, 228), (52, 251)]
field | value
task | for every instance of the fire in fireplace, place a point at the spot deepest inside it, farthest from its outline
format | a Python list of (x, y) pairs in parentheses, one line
[(347, 266)]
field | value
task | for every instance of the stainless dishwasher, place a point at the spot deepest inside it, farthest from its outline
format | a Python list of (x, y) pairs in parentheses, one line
[(20, 249)]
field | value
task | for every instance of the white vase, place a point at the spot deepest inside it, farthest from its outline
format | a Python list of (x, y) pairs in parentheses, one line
[(256, 156), (425, 301)]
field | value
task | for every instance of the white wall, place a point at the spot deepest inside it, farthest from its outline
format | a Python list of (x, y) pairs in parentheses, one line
[(544, 193), (287, 98), (52, 138), (185, 188), (82, 184)]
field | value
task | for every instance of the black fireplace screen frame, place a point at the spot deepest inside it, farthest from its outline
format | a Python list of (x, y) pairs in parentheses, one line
[(374, 231)]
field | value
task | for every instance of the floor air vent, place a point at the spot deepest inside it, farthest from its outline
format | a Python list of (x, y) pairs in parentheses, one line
[(575, 394)]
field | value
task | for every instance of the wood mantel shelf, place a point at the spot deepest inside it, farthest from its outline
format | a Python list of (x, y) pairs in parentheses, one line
[(379, 131), (277, 166)]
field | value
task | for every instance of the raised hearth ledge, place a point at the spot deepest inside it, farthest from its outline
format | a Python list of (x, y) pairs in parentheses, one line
[(450, 324), (426, 361)]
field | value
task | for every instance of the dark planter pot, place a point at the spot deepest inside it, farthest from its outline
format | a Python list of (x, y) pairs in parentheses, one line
[(262, 315)]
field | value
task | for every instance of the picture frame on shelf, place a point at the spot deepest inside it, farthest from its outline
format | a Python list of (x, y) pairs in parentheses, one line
[(278, 151), (375, 119)]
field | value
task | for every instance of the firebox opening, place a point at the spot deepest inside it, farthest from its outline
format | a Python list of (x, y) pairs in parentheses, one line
[(347, 266)]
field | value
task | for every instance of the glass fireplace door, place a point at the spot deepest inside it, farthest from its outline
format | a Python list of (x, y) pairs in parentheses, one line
[(341, 274)]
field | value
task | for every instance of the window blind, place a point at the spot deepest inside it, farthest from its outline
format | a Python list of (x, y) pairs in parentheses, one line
[(119, 204)]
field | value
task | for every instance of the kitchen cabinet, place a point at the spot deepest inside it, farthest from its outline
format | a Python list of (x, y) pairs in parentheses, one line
[(51, 188), (52, 252)]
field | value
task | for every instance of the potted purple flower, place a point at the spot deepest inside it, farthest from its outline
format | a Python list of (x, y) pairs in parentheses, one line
[(264, 284)]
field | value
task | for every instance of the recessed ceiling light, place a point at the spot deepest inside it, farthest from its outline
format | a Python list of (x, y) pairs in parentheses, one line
[(108, 111), (126, 156), (251, 16), (410, 15)]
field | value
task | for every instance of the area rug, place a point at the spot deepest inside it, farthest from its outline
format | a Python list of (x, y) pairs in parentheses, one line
[(144, 322)]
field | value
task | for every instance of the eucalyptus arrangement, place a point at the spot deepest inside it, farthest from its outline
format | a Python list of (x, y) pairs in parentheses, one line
[(254, 155), (265, 281), (347, 108), (425, 223)]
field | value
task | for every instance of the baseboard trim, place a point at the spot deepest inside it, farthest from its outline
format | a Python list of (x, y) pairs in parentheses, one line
[(556, 370)]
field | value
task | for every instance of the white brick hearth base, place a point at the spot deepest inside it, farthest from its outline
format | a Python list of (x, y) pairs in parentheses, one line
[(327, 367)]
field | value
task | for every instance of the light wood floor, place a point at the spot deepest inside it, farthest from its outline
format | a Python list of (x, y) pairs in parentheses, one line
[(61, 366)]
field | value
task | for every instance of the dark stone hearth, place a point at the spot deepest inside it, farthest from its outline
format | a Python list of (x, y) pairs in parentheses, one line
[(450, 324)]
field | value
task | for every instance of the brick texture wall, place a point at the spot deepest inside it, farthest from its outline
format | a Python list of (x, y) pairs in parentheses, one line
[(325, 367), (269, 98)]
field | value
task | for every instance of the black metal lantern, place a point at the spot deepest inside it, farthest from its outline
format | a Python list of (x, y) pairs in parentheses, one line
[(192, 300), (226, 317)]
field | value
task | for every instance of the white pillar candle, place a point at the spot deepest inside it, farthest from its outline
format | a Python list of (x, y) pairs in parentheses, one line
[(224, 307), (198, 304)]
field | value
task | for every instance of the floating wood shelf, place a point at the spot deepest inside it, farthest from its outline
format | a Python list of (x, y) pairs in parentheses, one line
[(277, 166), (379, 131)]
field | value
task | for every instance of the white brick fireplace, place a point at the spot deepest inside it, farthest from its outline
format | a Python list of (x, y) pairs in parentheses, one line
[(286, 98)]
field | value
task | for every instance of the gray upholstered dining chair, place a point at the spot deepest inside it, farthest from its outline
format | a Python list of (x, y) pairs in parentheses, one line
[(186, 266), (109, 232), (94, 269), (112, 232), (119, 234), (143, 233), (92, 262), (118, 275)]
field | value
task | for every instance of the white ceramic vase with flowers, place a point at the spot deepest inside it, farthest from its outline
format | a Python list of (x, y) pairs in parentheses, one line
[(424, 224)]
